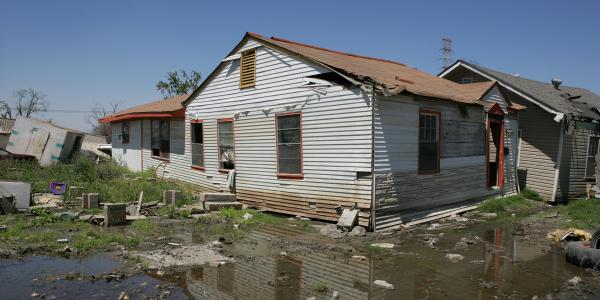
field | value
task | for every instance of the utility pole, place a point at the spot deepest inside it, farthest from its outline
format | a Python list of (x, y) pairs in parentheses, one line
[(446, 52)]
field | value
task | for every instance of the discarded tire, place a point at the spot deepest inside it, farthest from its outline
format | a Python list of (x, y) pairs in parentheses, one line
[(583, 255), (596, 239)]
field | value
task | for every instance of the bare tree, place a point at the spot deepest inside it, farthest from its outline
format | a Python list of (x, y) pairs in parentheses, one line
[(28, 102), (179, 83), (99, 112)]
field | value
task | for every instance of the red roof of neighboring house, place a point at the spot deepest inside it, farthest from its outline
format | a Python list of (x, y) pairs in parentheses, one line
[(165, 108), (6, 126)]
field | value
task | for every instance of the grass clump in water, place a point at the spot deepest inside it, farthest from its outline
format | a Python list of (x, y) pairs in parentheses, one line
[(505, 204), (320, 287)]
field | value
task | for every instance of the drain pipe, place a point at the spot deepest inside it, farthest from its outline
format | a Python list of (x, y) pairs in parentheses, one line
[(374, 227)]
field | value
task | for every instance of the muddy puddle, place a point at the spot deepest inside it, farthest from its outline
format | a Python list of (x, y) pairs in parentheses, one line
[(485, 261)]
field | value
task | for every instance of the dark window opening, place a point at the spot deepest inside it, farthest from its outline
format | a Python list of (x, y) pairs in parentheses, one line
[(590, 165), (226, 145), (197, 141), (160, 138), (289, 144), (429, 142), (125, 132)]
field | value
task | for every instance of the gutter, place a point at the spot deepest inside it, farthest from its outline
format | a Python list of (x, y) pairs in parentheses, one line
[(374, 225)]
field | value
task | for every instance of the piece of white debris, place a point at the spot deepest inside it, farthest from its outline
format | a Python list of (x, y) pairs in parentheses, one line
[(174, 244), (384, 284), (335, 295), (216, 243), (575, 280), (247, 216), (160, 273), (359, 257), (383, 245), (453, 257), (216, 263), (283, 253)]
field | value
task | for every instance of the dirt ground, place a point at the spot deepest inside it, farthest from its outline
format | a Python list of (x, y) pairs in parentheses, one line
[(464, 257)]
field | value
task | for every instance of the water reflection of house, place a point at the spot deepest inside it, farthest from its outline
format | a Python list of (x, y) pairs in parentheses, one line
[(281, 277)]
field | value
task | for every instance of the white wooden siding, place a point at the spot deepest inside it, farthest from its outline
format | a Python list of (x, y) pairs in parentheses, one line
[(336, 137), (129, 154)]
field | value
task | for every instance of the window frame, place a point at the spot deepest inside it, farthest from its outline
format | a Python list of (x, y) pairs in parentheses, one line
[(192, 122), (123, 139), (438, 114), (587, 152), (289, 175), (160, 149), (225, 120)]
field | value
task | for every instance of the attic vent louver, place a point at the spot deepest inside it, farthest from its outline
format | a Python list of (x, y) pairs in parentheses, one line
[(248, 69)]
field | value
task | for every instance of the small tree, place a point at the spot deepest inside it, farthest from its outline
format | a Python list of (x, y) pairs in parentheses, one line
[(178, 83), (28, 102), (99, 112)]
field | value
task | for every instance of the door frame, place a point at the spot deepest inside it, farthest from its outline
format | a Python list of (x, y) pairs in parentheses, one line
[(500, 151)]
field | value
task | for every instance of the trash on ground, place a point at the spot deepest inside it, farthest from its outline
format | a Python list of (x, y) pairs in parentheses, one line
[(384, 284), (383, 245)]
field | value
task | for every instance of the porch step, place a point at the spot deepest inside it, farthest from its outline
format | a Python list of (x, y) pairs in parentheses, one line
[(212, 206), (217, 197)]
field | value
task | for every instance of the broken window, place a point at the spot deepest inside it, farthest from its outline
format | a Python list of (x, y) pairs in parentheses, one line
[(429, 142), (125, 132), (289, 144), (226, 144), (160, 138), (197, 142), (590, 165), (248, 69)]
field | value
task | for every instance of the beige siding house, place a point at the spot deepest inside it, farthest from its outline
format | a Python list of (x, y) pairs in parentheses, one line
[(558, 133)]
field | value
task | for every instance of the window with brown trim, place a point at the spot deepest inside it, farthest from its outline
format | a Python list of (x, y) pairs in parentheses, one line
[(160, 139), (197, 143), (429, 142), (248, 69), (289, 144), (226, 144), (125, 132)]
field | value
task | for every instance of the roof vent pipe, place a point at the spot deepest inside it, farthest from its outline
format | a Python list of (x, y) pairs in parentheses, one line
[(556, 82)]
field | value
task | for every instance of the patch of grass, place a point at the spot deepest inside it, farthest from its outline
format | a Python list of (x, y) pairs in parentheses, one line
[(582, 213), (505, 204), (531, 194), (143, 227), (94, 239), (320, 287)]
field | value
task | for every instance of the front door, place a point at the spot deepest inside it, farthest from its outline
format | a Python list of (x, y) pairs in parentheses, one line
[(495, 151)]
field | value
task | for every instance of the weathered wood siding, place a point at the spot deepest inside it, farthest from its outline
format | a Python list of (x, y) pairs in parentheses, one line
[(539, 149), (399, 189), (129, 154), (572, 181), (336, 136), (511, 127)]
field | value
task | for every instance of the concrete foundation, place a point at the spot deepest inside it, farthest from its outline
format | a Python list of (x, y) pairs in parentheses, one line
[(90, 200), (114, 214), (171, 196), (217, 197)]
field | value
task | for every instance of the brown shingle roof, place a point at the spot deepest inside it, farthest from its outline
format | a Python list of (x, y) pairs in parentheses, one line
[(389, 77), (165, 108)]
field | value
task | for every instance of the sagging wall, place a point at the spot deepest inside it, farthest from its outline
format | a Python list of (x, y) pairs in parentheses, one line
[(399, 189), (572, 177), (128, 154), (38, 138), (336, 138)]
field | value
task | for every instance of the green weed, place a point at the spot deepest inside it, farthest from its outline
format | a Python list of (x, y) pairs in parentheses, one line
[(582, 213), (531, 194), (320, 287), (505, 204)]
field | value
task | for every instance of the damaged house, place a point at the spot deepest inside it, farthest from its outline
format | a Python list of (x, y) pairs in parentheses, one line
[(308, 129), (559, 131)]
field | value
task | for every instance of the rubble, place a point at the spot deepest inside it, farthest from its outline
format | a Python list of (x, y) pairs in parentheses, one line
[(383, 245), (453, 257), (383, 284), (348, 219), (358, 231), (331, 231)]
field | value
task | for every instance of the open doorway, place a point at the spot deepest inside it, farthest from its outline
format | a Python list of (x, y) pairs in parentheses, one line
[(495, 152)]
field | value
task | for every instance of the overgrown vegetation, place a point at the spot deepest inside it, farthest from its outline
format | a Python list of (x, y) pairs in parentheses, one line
[(320, 287), (531, 194), (502, 205), (106, 178), (582, 213)]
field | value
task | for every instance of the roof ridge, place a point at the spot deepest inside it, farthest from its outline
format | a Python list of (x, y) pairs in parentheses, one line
[(331, 50)]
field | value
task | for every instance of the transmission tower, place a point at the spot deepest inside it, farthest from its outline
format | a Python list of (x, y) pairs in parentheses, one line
[(446, 52)]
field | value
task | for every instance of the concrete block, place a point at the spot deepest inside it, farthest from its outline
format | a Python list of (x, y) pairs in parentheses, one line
[(114, 214), (348, 219), (90, 200), (7, 204), (217, 197), (75, 191), (21, 191), (212, 206), (171, 196)]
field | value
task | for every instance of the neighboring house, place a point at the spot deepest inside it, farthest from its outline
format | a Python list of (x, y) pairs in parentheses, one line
[(48, 142), (559, 131), (298, 125), (162, 124), (6, 126)]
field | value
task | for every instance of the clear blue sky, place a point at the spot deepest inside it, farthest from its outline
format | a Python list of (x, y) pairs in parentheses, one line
[(85, 52)]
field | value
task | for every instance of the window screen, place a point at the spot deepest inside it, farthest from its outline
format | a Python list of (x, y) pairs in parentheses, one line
[(289, 144), (226, 146), (429, 142)]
